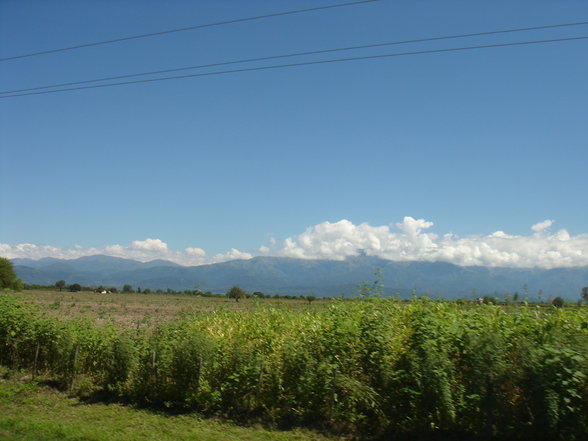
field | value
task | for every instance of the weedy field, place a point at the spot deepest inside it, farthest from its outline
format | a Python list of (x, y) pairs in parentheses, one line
[(367, 368), (133, 310)]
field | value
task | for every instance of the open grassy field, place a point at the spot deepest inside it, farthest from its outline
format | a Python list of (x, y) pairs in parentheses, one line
[(33, 412), (132, 310)]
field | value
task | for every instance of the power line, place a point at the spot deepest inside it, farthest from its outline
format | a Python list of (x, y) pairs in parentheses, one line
[(297, 54), (305, 63), (188, 28)]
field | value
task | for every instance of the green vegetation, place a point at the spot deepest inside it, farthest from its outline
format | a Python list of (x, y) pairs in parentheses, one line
[(32, 412), (8, 278), (236, 293), (132, 310), (371, 367)]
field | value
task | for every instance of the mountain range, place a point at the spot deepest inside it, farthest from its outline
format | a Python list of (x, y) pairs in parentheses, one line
[(282, 275)]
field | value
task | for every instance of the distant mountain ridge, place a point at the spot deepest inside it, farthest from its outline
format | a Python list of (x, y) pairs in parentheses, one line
[(283, 275)]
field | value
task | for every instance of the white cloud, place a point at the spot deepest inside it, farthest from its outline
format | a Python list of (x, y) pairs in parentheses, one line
[(198, 252), (412, 242), (233, 254), (191, 256), (141, 250), (32, 251), (542, 226), (403, 241), (150, 245), (114, 249)]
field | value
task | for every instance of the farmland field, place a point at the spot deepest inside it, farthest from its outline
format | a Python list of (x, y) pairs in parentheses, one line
[(132, 310), (369, 367)]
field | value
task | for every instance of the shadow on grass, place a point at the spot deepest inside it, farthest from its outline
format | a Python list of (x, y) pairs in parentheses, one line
[(101, 396)]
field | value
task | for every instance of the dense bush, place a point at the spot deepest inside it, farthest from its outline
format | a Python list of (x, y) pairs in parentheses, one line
[(8, 280), (371, 367)]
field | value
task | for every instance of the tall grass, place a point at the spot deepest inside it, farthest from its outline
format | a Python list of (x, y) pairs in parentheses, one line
[(371, 367)]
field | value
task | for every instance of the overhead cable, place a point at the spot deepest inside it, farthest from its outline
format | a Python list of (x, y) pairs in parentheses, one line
[(188, 28), (298, 54), (305, 63)]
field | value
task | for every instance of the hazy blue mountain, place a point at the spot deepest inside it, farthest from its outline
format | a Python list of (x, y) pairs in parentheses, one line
[(103, 264), (281, 275), (159, 262), (31, 263)]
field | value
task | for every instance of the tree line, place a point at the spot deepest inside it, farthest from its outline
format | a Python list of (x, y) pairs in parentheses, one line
[(235, 292), (9, 281)]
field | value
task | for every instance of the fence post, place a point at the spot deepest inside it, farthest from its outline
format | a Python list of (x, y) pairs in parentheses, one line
[(3, 349), (73, 366), (197, 386), (35, 361), (6, 352), (260, 378), (153, 365), (489, 406), (332, 399)]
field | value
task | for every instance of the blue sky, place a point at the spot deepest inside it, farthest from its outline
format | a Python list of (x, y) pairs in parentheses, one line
[(473, 142)]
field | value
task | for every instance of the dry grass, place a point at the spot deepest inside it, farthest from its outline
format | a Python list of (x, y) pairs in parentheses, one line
[(144, 310)]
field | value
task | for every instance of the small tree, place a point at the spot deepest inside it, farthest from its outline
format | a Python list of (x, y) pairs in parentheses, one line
[(374, 289), (236, 293), (310, 299), (127, 288), (8, 276), (585, 293), (75, 287), (60, 284), (558, 302), (489, 300)]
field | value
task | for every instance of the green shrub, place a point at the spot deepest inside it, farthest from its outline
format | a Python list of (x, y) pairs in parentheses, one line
[(371, 367)]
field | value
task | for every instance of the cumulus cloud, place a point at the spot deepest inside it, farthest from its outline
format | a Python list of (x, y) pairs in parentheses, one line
[(141, 250), (233, 254), (542, 226), (150, 245), (411, 241), (32, 251), (198, 252)]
